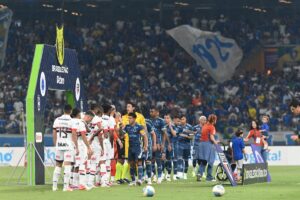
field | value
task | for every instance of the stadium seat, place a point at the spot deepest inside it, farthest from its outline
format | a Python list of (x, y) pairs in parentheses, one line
[(289, 140)]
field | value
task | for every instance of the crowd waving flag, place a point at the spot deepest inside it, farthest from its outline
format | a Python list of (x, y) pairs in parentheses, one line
[(218, 55)]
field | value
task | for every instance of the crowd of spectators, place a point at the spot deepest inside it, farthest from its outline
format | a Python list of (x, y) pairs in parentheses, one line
[(138, 61)]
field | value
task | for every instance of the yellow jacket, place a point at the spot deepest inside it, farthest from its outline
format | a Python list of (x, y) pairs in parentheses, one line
[(140, 119)]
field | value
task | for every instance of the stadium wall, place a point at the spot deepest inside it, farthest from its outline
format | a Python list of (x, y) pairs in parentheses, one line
[(278, 156), (279, 138)]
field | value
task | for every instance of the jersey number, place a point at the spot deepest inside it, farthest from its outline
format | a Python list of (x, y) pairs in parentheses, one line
[(62, 133)]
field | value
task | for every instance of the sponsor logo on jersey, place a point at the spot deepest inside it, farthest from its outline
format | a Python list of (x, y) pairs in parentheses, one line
[(62, 144)]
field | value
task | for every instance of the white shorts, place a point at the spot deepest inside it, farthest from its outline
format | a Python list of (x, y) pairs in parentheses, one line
[(65, 155), (82, 157), (108, 150), (96, 157), (239, 163)]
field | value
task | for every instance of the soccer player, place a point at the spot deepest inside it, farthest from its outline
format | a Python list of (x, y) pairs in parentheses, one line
[(120, 147), (184, 147), (171, 132), (140, 119), (136, 148), (79, 127), (96, 142), (174, 139), (116, 142), (108, 129), (151, 147), (65, 143), (131, 108), (159, 125), (110, 142), (197, 129)]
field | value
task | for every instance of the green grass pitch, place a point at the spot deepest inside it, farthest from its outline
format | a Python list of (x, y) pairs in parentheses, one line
[(285, 185)]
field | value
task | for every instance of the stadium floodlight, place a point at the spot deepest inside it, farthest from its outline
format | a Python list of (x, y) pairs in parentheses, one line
[(285, 1), (181, 4), (91, 5)]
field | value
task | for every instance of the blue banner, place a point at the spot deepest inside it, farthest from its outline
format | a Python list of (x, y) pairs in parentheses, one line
[(258, 157)]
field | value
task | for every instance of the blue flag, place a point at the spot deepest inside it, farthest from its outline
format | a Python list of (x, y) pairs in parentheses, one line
[(258, 157)]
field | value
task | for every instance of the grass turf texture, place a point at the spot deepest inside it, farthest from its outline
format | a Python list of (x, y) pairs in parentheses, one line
[(285, 185)]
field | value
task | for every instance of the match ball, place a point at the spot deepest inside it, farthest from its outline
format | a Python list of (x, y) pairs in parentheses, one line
[(148, 191), (218, 190)]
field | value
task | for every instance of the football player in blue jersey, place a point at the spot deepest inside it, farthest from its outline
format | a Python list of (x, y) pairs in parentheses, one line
[(136, 147), (170, 131), (184, 147), (178, 129), (151, 148), (158, 124)]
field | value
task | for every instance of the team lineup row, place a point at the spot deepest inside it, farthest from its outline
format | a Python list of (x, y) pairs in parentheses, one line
[(102, 148)]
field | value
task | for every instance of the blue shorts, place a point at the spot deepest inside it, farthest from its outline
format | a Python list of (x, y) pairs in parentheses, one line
[(135, 154), (169, 154), (158, 139), (173, 154), (184, 151), (147, 156), (196, 150), (175, 150), (157, 155)]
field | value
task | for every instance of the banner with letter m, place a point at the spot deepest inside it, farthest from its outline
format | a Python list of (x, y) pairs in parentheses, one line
[(218, 55)]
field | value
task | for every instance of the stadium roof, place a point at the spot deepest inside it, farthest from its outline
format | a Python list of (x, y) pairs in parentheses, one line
[(151, 8), (188, 4)]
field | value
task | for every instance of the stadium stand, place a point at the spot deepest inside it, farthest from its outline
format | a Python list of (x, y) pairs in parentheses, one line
[(115, 57)]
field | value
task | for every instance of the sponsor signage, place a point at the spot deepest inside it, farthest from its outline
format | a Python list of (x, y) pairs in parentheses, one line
[(225, 164), (258, 157), (255, 173), (279, 156)]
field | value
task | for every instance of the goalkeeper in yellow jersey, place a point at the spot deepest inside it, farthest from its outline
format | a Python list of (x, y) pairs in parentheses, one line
[(122, 173)]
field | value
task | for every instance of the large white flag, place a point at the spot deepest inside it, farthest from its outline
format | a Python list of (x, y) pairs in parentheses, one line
[(217, 54)]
